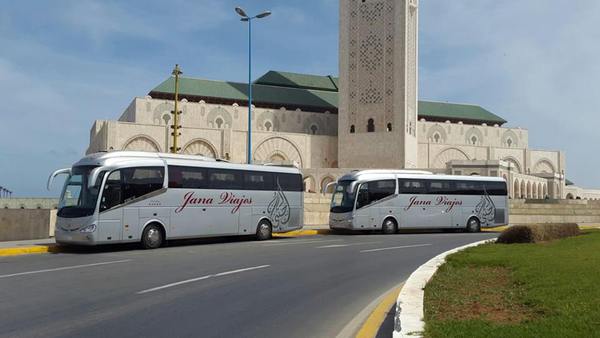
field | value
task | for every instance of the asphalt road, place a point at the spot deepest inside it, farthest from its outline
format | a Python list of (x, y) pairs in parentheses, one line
[(301, 287)]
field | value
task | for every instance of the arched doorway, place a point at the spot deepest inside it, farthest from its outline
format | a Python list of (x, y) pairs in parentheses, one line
[(324, 182), (309, 184)]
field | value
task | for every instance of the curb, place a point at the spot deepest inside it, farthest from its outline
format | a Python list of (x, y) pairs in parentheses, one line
[(371, 326), (27, 250), (408, 321), (300, 233)]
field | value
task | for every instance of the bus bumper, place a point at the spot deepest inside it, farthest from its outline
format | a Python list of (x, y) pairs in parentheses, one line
[(74, 238)]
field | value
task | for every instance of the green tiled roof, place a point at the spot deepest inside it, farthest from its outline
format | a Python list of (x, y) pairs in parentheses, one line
[(295, 80), (273, 95), (457, 112), (293, 90)]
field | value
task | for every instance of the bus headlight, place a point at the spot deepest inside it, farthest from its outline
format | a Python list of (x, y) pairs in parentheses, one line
[(88, 229)]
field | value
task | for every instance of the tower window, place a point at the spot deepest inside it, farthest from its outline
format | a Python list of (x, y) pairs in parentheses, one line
[(474, 140), (314, 129), (268, 125), (352, 129), (371, 126), (219, 122), (389, 127)]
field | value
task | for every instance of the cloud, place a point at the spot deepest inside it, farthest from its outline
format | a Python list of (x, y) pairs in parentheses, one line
[(532, 62)]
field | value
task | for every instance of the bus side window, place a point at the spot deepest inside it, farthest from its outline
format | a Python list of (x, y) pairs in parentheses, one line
[(362, 199), (411, 187), (112, 194)]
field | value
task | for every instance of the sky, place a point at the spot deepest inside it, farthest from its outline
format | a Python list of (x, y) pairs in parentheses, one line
[(66, 63)]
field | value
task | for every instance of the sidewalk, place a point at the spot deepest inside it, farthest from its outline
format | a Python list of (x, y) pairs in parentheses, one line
[(33, 242)]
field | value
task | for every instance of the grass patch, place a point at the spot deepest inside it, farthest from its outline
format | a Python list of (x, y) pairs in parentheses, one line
[(550, 289)]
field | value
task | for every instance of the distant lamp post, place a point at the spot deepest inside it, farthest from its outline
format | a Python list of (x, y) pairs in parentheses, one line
[(176, 113), (247, 18)]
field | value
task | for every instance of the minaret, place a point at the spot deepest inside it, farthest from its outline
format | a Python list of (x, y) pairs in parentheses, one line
[(377, 125)]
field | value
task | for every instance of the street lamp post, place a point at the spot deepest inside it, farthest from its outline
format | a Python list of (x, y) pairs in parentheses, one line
[(246, 18)]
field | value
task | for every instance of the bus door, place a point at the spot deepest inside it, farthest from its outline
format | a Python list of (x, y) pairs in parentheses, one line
[(111, 216), (362, 214)]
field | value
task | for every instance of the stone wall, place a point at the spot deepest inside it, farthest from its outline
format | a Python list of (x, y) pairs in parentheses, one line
[(521, 211), (25, 224)]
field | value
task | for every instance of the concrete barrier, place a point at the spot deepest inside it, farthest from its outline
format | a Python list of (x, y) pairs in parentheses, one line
[(25, 224)]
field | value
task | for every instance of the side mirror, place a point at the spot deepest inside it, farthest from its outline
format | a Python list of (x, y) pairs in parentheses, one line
[(66, 171)]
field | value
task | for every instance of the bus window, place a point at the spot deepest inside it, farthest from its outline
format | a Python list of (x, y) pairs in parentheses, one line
[(257, 180), (188, 177), (440, 187), (111, 195), (225, 179), (411, 187), (127, 184), (372, 192), (289, 182)]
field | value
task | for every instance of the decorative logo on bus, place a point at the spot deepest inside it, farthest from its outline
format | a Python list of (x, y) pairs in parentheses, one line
[(486, 209), (439, 201), (279, 207), (226, 198)]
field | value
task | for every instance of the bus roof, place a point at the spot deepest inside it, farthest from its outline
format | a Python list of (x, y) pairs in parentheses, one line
[(116, 158), (369, 175)]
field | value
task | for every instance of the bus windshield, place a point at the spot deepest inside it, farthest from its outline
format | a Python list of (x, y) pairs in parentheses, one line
[(343, 197), (78, 200)]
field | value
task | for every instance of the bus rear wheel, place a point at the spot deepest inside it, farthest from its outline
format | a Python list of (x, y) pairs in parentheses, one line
[(389, 227), (264, 231), (152, 238), (473, 225)]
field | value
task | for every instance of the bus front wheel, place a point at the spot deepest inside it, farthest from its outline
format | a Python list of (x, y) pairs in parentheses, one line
[(473, 225), (152, 238), (263, 231), (389, 227)]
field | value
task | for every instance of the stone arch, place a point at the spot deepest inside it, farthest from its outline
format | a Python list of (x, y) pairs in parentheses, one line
[(474, 134), (371, 126), (540, 191), (268, 117), (534, 192), (545, 191), (516, 193), (448, 155), (510, 139), (277, 146), (311, 122), (529, 193), (523, 189), (309, 184), (334, 164), (515, 163), (324, 182), (219, 113), (570, 196), (141, 143), (200, 147), (544, 166), (439, 131)]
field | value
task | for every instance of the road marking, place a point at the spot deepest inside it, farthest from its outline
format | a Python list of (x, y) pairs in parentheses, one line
[(65, 268), (187, 281), (395, 247), (291, 242), (344, 245)]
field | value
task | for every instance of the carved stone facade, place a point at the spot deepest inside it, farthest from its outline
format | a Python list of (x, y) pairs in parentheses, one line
[(378, 83)]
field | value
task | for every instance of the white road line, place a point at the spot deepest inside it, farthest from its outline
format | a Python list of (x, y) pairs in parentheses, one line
[(395, 247), (64, 268), (344, 245), (304, 242), (202, 278)]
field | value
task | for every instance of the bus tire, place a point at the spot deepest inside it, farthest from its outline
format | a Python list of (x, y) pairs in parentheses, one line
[(152, 237), (473, 225), (389, 226), (264, 230)]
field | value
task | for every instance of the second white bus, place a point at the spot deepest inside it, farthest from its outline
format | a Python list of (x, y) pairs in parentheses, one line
[(393, 200), (121, 197)]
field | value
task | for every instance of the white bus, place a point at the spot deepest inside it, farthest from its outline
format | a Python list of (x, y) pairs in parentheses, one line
[(392, 200), (120, 197)]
